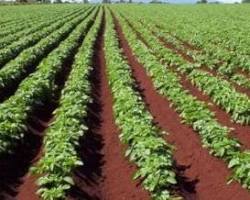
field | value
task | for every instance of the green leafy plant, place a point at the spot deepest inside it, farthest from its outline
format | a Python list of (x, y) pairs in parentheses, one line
[(146, 148)]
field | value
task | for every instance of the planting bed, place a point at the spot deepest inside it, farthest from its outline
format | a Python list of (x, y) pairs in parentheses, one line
[(117, 104)]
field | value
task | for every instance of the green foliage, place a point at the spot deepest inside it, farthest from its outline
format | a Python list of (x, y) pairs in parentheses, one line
[(202, 1), (35, 90), (245, 1), (60, 157), (11, 51), (146, 148), (214, 136), (15, 33), (18, 68), (221, 91)]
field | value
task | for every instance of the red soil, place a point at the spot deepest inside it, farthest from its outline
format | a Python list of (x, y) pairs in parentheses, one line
[(239, 131), (203, 176), (192, 47), (37, 126), (244, 73), (205, 68), (176, 50), (28, 189), (106, 174), (237, 87), (186, 44), (15, 181)]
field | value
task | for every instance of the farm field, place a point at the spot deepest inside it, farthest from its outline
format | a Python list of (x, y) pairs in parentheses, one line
[(124, 102)]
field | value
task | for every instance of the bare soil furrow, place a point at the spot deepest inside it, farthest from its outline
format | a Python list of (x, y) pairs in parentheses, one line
[(15, 180), (107, 174), (206, 68), (203, 176), (238, 131), (242, 133)]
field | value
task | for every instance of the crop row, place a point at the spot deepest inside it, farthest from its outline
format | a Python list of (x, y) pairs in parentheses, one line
[(206, 48), (15, 48), (28, 20), (224, 40), (146, 148), (207, 56), (194, 112), (14, 35), (14, 16), (17, 69), (60, 157), (215, 56), (36, 89), (221, 91)]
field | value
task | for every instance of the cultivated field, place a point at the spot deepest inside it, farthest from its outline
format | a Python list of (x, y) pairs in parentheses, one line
[(125, 102)]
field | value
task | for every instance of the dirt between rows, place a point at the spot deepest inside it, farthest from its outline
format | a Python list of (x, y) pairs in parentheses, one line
[(15, 180), (192, 47), (107, 174), (238, 131), (201, 176), (213, 72)]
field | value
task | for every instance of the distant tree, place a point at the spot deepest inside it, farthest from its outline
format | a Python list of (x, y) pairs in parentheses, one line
[(245, 1), (85, 1), (22, 1), (130, 1), (44, 1), (202, 1)]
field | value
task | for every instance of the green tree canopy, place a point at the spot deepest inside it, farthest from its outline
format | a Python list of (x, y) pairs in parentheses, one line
[(202, 1)]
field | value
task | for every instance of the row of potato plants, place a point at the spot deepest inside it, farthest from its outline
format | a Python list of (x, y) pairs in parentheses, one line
[(17, 69), (5, 22), (205, 52), (22, 23), (209, 56), (26, 22), (60, 158), (11, 51), (224, 43), (34, 27), (14, 17), (145, 145), (36, 89), (227, 61), (220, 90), (9, 22), (195, 113)]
